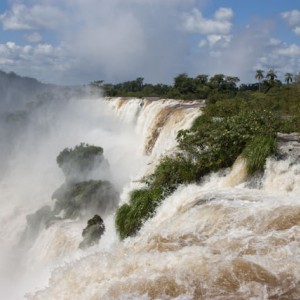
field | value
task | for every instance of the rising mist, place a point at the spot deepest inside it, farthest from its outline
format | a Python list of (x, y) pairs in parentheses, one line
[(34, 130)]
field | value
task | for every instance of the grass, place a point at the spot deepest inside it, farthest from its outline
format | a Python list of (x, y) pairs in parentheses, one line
[(257, 151)]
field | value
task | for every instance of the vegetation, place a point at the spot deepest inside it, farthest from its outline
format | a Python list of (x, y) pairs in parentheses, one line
[(184, 87), (236, 122), (78, 162), (78, 195), (143, 203), (257, 151), (75, 199), (202, 86)]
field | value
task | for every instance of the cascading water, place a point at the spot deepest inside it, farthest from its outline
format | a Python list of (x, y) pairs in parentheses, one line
[(205, 242), (226, 238)]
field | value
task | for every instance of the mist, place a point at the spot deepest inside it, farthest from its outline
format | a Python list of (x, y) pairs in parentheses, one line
[(30, 144)]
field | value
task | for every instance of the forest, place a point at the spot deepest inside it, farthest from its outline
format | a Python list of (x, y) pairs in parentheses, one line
[(199, 87)]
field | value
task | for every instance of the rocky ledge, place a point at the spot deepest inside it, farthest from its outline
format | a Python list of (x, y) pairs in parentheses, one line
[(289, 145)]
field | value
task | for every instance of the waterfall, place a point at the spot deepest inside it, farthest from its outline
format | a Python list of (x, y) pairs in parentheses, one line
[(229, 237)]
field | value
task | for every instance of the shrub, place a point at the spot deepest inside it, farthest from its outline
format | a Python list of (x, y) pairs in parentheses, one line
[(257, 151), (143, 203), (171, 172)]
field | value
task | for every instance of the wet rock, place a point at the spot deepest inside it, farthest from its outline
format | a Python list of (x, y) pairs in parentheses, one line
[(92, 233), (75, 199), (289, 145), (35, 223), (82, 162)]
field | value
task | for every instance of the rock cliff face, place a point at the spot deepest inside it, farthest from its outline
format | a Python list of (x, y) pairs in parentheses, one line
[(289, 145)]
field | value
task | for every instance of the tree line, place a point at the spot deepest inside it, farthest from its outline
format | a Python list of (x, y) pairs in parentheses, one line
[(199, 87)]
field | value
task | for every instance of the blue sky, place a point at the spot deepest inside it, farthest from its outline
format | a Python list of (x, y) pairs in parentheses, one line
[(78, 41)]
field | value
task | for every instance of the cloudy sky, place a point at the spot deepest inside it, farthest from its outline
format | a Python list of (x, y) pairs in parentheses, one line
[(78, 41)]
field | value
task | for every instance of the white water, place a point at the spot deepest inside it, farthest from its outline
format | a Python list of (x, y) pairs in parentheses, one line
[(218, 240)]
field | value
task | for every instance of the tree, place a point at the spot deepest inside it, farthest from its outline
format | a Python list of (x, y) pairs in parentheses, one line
[(288, 77), (217, 81), (179, 80), (97, 83), (202, 79), (231, 82), (184, 84), (139, 83), (271, 75), (259, 76)]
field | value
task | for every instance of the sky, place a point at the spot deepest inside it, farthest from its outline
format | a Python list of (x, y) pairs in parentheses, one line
[(78, 41)]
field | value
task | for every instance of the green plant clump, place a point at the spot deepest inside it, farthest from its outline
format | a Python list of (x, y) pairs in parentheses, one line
[(215, 143), (257, 151), (142, 206)]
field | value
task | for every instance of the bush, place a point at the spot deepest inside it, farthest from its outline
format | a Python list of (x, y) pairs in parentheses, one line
[(257, 151), (143, 203), (215, 143), (171, 172)]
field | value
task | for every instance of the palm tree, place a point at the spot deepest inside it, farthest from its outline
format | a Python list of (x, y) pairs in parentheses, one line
[(288, 77), (259, 76), (271, 75)]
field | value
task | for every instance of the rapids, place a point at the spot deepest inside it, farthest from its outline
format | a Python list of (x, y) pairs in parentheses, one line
[(226, 238)]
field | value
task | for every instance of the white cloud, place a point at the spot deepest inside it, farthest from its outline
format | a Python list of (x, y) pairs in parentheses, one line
[(113, 40), (118, 40), (291, 17), (290, 51), (202, 43), (34, 37), (218, 40), (274, 42), (224, 14), (241, 55), (297, 30), (220, 24), (44, 61), (283, 58), (21, 17)]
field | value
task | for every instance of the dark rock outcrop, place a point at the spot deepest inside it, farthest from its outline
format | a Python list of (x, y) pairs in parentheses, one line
[(75, 199), (92, 233)]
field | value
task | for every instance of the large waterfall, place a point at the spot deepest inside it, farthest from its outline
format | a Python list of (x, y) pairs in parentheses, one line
[(226, 238)]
